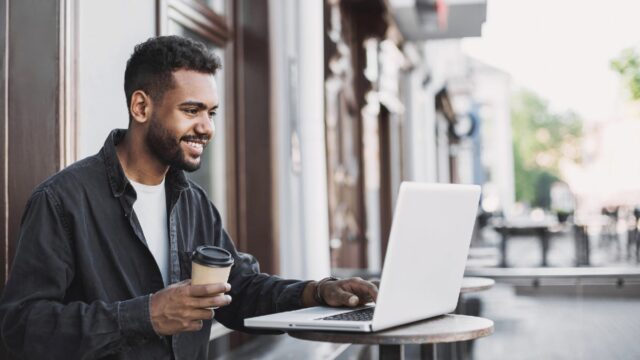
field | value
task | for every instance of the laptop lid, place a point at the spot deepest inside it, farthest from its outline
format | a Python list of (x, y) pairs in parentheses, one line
[(427, 251)]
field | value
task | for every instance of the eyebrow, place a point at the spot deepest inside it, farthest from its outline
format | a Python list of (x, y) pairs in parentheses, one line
[(198, 104)]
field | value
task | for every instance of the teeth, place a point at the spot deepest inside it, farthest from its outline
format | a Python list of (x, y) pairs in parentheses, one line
[(195, 145)]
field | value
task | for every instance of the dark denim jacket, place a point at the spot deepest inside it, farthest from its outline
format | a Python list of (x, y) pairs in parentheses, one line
[(80, 282)]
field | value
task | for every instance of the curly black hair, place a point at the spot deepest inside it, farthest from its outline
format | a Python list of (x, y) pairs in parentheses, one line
[(152, 63)]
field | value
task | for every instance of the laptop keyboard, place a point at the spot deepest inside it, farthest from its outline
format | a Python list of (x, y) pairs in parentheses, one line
[(356, 315)]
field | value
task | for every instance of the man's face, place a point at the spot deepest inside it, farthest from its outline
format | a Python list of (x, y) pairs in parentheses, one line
[(181, 124)]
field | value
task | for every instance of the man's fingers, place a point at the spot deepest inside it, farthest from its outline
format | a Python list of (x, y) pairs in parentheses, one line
[(343, 298), (375, 282), (208, 290), (372, 290), (219, 301), (201, 314), (350, 292), (195, 325), (365, 290), (213, 301)]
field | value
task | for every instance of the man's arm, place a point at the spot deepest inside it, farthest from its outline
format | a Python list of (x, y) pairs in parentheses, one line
[(35, 323), (255, 293)]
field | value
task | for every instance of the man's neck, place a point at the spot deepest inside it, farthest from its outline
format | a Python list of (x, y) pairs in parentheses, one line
[(138, 163)]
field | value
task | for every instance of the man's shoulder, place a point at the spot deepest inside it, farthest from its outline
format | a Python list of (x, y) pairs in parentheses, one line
[(75, 176)]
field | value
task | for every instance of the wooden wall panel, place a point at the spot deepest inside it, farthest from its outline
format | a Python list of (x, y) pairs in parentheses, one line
[(253, 148), (34, 149), (4, 244)]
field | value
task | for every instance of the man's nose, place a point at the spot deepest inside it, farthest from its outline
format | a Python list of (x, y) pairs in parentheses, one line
[(206, 127)]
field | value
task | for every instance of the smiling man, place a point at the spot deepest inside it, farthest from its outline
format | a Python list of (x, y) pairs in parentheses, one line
[(103, 262)]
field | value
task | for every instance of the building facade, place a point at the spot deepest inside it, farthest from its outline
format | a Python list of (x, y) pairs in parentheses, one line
[(326, 107)]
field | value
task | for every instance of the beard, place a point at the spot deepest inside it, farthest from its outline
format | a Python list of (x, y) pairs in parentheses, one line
[(167, 148)]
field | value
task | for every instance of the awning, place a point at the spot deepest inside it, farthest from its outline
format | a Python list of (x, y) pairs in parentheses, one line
[(439, 19)]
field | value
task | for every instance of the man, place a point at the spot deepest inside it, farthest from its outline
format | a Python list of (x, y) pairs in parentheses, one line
[(103, 263)]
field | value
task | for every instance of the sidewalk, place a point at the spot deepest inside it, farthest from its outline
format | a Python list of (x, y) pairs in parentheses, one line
[(559, 327), (555, 326)]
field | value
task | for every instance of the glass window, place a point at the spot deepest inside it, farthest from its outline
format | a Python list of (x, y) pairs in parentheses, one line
[(215, 5)]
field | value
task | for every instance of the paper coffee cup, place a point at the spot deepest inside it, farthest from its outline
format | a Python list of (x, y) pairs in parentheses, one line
[(210, 265)]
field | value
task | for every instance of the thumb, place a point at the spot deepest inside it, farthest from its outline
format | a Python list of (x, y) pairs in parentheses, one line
[(181, 283)]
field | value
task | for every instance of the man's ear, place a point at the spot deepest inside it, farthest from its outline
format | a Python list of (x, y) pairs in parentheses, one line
[(140, 108)]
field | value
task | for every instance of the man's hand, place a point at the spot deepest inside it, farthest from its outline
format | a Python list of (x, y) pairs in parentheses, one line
[(348, 292), (182, 306)]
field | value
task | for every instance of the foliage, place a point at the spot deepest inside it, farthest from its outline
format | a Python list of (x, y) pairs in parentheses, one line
[(627, 64), (541, 138)]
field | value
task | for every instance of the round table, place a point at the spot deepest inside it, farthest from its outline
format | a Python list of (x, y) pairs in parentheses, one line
[(470, 284), (441, 329), (475, 284)]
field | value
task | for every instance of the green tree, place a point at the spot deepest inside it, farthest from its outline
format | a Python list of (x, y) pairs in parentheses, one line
[(541, 138), (627, 64)]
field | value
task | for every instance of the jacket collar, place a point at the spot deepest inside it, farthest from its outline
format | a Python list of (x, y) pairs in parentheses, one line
[(175, 180)]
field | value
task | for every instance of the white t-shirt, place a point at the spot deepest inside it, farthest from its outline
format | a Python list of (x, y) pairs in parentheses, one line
[(151, 210)]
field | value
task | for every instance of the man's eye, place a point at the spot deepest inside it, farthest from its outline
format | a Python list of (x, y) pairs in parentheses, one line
[(212, 114), (191, 111)]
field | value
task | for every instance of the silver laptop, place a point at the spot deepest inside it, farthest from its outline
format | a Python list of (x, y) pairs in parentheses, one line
[(423, 269)]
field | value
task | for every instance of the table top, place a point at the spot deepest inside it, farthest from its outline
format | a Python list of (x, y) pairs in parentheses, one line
[(445, 328), (519, 228), (474, 284), (556, 272), (483, 252), (524, 223)]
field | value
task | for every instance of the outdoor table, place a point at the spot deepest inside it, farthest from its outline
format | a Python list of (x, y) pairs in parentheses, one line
[(442, 329), (475, 284), (541, 229), (581, 240), (470, 284)]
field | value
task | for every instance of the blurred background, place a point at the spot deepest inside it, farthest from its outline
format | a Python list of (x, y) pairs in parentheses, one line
[(328, 105)]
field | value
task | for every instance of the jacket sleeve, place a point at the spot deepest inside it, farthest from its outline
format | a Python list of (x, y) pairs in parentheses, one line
[(254, 293), (36, 321)]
